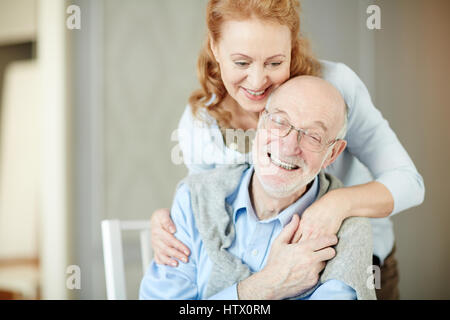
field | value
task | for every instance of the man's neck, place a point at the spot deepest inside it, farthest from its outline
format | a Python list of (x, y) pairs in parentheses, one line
[(267, 206)]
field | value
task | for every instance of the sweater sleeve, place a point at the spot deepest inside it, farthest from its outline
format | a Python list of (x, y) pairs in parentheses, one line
[(374, 143), (353, 261)]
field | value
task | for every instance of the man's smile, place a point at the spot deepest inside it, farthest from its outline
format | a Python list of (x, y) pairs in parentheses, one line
[(282, 164)]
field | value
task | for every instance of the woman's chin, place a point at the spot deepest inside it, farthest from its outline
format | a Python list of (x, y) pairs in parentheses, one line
[(252, 106), (255, 108)]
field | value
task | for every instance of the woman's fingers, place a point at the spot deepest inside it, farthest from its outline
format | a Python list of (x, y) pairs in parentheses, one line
[(168, 224), (161, 219), (165, 260), (163, 254), (166, 246), (171, 242), (322, 242), (173, 253), (168, 255), (325, 254)]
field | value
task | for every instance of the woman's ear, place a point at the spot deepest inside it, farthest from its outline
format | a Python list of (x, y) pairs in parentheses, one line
[(338, 148)]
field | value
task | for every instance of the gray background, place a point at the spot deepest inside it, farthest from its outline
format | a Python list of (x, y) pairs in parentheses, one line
[(134, 66)]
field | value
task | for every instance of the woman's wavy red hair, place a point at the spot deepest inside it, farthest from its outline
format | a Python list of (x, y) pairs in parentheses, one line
[(284, 12)]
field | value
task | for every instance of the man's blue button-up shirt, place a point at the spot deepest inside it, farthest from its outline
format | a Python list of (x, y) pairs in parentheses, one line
[(252, 245)]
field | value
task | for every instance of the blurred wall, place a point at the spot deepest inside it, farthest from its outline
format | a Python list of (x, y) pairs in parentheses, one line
[(348, 40), (412, 91), (142, 57), (17, 21), (17, 34), (135, 65), (150, 52), (406, 67)]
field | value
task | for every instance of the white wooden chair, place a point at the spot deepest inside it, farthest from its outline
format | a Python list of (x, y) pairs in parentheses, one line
[(113, 253)]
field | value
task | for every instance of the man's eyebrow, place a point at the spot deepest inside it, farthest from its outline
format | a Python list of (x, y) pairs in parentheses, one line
[(322, 125), (319, 123), (278, 110)]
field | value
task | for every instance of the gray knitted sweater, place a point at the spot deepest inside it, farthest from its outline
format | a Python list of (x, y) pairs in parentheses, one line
[(213, 218)]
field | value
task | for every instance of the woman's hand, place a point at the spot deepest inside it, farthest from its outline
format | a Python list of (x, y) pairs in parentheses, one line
[(164, 244), (323, 217)]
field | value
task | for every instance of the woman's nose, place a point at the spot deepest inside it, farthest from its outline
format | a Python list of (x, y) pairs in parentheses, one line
[(257, 78)]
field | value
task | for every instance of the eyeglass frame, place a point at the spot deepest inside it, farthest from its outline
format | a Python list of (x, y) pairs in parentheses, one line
[(300, 133)]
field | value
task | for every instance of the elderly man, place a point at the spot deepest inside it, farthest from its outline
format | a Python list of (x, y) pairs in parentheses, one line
[(240, 221)]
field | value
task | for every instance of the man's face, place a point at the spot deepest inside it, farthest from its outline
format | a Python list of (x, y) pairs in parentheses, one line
[(284, 166)]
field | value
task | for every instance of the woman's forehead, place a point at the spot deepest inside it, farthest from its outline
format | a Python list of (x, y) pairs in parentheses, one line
[(255, 34)]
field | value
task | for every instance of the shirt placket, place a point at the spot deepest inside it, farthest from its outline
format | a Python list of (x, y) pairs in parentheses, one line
[(259, 244)]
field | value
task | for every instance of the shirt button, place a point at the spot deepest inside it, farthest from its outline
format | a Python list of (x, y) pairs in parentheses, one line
[(255, 252)]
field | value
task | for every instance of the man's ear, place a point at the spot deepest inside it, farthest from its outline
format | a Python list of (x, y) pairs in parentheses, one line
[(338, 148)]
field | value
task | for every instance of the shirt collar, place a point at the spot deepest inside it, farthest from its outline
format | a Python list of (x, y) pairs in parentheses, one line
[(240, 199)]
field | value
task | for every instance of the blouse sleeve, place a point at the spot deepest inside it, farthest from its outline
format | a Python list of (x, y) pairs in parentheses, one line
[(374, 143), (193, 140)]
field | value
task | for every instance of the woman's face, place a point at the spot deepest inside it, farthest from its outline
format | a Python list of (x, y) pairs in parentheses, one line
[(254, 58)]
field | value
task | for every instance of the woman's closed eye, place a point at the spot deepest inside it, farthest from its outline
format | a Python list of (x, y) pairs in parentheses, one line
[(246, 64), (274, 64), (241, 63)]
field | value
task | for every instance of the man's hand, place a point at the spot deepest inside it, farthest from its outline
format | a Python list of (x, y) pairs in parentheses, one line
[(292, 268)]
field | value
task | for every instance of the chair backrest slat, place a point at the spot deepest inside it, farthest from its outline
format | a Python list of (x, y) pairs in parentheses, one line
[(146, 252), (113, 253)]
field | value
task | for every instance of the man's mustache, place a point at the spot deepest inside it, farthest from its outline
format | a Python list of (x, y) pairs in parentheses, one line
[(292, 160)]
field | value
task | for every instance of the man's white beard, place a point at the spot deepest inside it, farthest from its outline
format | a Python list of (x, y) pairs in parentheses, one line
[(287, 190)]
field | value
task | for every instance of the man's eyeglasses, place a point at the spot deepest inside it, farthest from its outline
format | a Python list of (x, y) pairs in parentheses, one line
[(278, 125)]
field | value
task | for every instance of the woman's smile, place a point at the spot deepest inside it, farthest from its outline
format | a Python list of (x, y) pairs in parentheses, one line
[(257, 95)]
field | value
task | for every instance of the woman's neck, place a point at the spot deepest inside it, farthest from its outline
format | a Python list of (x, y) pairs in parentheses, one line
[(240, 118)]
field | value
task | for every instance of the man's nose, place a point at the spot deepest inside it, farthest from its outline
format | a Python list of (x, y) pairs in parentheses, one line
[(257, 78), (290, 143)]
